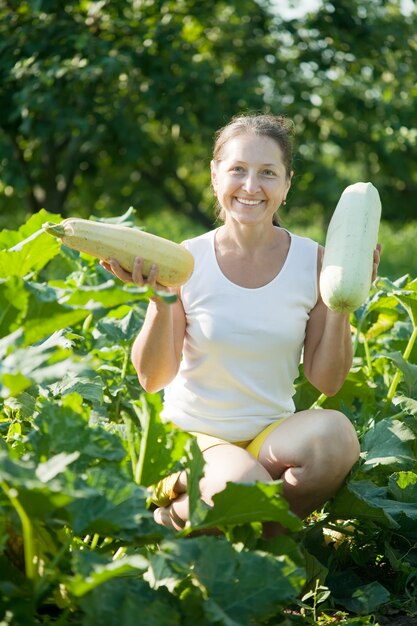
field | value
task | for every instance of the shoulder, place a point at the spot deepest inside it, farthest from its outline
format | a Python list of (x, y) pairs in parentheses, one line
[(302, 240), (199, 242), (305, 250)]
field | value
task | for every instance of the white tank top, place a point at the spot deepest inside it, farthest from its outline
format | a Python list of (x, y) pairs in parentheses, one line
[(242, 347)]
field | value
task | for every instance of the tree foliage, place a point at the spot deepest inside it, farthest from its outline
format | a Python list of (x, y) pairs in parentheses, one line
[(351, 86), (111, 104), (117, 101)]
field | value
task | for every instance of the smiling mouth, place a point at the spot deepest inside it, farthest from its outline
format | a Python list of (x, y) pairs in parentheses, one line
[(248, 202)]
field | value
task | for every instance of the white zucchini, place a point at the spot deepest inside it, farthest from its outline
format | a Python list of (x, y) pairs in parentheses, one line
[(352, 236)]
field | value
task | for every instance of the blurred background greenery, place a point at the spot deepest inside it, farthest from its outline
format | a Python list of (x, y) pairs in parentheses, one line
[(114, 103)]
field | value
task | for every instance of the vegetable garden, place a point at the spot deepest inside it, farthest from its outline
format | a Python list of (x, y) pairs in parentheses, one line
[(81, 444)]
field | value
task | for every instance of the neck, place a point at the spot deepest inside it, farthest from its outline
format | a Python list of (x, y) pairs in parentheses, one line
[(247, 237)]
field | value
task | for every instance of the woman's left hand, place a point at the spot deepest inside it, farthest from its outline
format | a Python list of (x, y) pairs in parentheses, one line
[(377, 258)]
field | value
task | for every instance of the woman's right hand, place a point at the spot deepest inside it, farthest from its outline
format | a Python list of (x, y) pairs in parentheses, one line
[(136, 276)]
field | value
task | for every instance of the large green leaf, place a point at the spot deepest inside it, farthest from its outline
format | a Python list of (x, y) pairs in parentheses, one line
[(111, 504), (408, 370), (245, 503), (129, 601), (93, 570), (13, 304), (242, 587), (39, 494), (363, 500), (390, 443), (58, 428), (161, 445), (122, 330), (33, 248), (351, 593)]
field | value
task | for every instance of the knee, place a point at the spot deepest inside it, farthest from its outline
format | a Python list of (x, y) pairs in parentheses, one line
[(337, 439), (228, 463)]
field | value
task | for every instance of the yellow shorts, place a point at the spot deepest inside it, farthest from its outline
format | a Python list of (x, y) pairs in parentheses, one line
[(164, 492)]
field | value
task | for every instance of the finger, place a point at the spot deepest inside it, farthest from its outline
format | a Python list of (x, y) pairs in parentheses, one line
[(118, 271), (152, 276), (137, 271), (106, 266), (165, 516)]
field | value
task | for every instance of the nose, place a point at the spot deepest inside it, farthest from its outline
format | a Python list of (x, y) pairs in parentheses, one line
[(251, 183)]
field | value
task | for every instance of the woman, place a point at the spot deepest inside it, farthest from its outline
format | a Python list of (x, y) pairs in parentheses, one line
[(227, 352)]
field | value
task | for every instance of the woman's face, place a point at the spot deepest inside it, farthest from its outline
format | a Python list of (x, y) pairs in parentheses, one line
[(250, 179)]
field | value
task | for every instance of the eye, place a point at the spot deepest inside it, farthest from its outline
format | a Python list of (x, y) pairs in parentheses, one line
[(237, 169), (268, 173)]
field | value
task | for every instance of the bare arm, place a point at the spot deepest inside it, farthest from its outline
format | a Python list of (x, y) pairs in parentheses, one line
[(328, 344), (156, 351), (327, 349)]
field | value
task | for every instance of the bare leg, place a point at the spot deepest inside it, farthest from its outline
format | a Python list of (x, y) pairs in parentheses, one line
[(312, 451), (224, 463)]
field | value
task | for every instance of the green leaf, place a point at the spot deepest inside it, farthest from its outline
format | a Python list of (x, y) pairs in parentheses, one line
[(112, 505), (128, 602), (13, 304), (195, 471), (385, 321), (245, 503), (49, 469), (349, 591), (409, 405), (243, 587), (403, 487), (367, 598), (34, 248), (106, 295), (408, 370), (38, 498), (13, 384), (24, 403), (363, 500), (37, 327), (90, 389), (161, 445), (95, 570), (59, 429), (121, 330), (390, 443), (406, 296)]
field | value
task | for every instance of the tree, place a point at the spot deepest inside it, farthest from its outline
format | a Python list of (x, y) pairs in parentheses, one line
[(350, 84), (116, 102), (111, 104)]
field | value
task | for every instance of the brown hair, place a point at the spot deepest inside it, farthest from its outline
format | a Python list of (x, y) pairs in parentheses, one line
[(276, 127)]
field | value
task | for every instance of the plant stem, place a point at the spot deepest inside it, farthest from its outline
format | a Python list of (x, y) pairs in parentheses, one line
[(368, 358), (123, 374), (143, 445), (28, 541), (131, 442), (319, 401), (406, 356)]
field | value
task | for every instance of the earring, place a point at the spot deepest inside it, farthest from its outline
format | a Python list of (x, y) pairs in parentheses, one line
[(284, 202)]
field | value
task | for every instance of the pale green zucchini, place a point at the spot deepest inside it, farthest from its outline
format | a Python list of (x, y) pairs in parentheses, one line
[(352, 236)]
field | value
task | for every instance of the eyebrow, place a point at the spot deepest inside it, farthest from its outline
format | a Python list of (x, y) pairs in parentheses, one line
[(262, 164)]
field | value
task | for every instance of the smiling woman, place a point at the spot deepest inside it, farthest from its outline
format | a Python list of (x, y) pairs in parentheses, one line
[(228, 350)]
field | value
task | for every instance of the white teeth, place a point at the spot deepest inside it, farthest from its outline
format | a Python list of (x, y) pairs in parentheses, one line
[(249, 202)]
